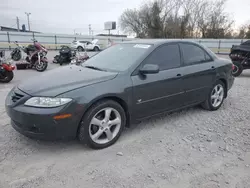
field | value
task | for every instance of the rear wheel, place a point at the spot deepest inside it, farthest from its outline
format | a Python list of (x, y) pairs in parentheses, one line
[(215, 97), (238, 69), (7, 77), (102, 124), (96, 49)]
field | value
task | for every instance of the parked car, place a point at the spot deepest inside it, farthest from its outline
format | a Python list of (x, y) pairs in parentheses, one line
[(90, 46), (120, 85)]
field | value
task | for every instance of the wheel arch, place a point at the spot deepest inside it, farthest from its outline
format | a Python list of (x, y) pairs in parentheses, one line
[(224, 81), (117, 99)]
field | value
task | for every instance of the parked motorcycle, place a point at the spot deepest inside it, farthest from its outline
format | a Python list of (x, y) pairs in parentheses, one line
[(79, 59), (36, 56), (6, 69), (65, 55)]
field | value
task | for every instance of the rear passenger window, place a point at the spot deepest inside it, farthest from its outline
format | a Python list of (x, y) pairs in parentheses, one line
[(166, 57), (193, 54)]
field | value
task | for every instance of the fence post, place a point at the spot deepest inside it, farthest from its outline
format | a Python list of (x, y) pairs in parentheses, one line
[(241, 41), (219, 47), (56, 42), (33, 34), (8, 36), (199, 41)]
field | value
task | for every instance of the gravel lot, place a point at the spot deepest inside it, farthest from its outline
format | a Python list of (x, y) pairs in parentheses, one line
[(192, 148)]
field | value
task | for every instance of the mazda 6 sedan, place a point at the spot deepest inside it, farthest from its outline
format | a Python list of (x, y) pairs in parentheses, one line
[(125, 83)]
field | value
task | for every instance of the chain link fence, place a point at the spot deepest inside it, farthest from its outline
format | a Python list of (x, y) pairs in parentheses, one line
[(54, 42)]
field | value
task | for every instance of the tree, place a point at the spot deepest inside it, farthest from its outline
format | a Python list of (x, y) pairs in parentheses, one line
[(248, 33), (178, 19)]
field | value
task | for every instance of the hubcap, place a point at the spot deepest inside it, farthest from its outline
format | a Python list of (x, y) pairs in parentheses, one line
[(217, 95), (40, 66), (105, 125)]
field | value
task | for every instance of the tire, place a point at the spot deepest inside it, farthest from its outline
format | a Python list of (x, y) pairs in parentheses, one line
[(85, 127), (96, 49), (238, 69), (208, 104), (8, 78), (80, 49), (16, 56), (43, 68)]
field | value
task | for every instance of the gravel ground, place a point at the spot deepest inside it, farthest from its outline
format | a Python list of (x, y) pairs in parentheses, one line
[(192, 148)]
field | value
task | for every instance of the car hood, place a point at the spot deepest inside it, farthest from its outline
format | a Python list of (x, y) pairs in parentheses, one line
[(63, 79), (95, 41)]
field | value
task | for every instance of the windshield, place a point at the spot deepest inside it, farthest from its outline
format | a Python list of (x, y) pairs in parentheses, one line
[(118, 57)]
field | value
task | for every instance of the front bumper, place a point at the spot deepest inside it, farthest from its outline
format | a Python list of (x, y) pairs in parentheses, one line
[(39, 122)]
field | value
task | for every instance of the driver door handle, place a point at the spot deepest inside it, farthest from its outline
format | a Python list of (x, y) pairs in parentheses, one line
[(178, 75)]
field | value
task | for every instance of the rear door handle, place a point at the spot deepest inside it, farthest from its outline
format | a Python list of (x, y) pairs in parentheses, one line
[(178, 75), (212, 67)]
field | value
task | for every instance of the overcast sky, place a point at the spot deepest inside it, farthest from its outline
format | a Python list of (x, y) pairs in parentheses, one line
[(63, 16)]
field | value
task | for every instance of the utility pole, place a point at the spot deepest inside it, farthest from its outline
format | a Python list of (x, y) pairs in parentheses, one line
[(17, 23), (89, 29), (28, 18)]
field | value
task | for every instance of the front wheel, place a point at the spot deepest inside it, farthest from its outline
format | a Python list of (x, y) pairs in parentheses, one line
[(16, 55), (215, 97), (238, 69), (102, 124), (42, 66), (7, 77)]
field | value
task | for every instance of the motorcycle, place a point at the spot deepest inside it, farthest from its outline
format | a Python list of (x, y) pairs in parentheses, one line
[(36, 56), (6, 69), (79, 59), (65, 55)]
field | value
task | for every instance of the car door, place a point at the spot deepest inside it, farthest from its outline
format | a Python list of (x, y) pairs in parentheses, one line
[(155, 93), (200, 72)]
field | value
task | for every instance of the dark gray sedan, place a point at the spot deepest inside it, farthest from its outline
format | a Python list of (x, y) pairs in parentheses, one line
[(120, 85)]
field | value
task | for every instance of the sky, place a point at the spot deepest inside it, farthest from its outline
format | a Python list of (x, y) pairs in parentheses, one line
[(69, 16)]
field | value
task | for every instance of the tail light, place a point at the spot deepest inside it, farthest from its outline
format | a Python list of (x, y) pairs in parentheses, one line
[(233, 66)]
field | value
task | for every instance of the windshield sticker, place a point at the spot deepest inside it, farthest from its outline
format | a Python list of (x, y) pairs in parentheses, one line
[(141, 46)]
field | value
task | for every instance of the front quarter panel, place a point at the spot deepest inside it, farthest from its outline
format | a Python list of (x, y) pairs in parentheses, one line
[(120, 87)]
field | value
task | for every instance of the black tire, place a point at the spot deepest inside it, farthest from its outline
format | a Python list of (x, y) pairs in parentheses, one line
[(8, 78), (207, 105), (43, 68), (80, 49), (16, 56), (238, 68), (83, 131), (96, 49)]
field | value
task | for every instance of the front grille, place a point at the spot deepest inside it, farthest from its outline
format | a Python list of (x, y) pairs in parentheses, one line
[(16, 96)]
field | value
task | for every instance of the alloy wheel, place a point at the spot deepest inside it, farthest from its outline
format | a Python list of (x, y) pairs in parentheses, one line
[(105, 125), (217, 95)]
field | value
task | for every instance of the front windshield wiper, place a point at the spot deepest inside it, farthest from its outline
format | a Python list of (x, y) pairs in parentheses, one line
[(95, 68)]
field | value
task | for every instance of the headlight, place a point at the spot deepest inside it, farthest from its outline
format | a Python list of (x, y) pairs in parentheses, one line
[(46, 102)]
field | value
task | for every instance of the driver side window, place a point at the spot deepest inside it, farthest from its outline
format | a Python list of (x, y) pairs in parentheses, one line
[(165, 56)]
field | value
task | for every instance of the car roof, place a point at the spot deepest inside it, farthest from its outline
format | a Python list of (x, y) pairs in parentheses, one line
[(157, 41)]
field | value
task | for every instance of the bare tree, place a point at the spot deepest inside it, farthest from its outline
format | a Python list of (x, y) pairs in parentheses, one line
[(178, 18)]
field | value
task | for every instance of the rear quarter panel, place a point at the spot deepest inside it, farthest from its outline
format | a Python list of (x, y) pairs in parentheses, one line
[(224, 71)]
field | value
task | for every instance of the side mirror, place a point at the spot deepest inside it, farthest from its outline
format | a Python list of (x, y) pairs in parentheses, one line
[(149, 69)]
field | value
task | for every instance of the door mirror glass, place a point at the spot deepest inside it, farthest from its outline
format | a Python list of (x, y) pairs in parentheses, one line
[(149, 69)]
